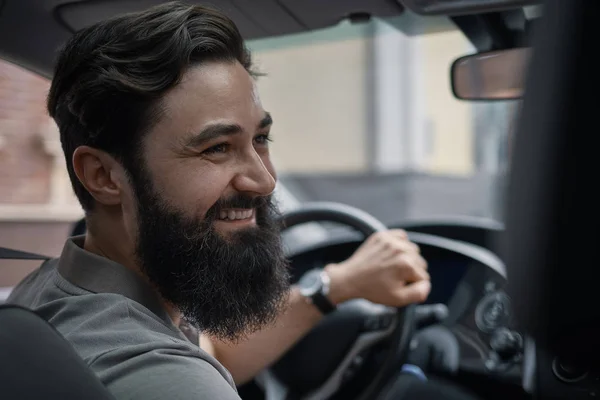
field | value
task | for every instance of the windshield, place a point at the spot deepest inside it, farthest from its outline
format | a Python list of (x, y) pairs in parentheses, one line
[(364, 115)]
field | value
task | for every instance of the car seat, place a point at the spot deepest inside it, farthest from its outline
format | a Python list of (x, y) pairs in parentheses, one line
[(36, 362)]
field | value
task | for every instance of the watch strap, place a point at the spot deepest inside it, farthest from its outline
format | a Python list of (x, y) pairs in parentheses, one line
[(322, 303), (320, 299)]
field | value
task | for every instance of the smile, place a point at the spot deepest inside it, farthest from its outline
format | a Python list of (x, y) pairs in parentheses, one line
[(236, 214)]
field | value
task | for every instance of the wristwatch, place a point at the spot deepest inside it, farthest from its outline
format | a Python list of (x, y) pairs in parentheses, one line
[(314, 285)]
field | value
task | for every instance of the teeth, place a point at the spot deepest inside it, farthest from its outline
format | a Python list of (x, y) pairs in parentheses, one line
[(235, 214)]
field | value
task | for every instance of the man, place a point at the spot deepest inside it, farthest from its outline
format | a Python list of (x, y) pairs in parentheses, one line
[(166, 143)]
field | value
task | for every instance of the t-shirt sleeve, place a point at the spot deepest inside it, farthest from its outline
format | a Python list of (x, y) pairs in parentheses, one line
[(162, 375)]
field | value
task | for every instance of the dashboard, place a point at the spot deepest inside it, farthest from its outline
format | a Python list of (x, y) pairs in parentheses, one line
[(470, 280)]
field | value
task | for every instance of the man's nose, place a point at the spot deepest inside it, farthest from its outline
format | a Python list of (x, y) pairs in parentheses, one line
[(254, 176)]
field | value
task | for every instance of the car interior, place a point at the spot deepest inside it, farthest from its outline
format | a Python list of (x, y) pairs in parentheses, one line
[(512, 304)]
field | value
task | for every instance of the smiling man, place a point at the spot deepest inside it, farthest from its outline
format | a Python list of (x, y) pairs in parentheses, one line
[(167, 147)]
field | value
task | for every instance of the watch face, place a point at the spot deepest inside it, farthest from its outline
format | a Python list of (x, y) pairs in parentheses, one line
[(310, 283)]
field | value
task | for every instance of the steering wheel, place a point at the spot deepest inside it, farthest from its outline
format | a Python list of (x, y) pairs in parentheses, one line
[(317, 366)]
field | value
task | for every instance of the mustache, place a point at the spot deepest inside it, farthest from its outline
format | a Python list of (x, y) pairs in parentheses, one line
[(240, 201), (243, 201)]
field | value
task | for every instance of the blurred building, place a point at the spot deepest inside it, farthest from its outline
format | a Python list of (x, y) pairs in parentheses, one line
[(37, 206)]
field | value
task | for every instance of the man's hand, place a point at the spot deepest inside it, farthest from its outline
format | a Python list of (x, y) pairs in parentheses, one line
[(386, 269)]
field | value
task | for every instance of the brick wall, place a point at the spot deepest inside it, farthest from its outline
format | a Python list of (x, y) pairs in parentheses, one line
[(25, 167)]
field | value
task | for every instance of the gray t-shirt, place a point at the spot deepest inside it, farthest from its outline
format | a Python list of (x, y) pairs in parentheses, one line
[(116, 323)]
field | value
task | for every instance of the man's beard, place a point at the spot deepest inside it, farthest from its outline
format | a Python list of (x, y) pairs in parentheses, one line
[(227, 287)]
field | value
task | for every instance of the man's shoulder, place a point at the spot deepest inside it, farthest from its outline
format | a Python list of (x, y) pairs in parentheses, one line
[(144, 359), (94, 323), (106, 319), (28, 289), (162, 373), (136, 353)]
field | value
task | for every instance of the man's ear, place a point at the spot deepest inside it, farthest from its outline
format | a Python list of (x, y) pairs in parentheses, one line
[(102, 176)]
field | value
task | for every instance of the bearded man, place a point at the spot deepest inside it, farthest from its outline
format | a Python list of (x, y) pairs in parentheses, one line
[(167, 147)]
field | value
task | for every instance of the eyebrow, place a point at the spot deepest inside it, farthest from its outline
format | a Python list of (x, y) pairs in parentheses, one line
[(215, 131)]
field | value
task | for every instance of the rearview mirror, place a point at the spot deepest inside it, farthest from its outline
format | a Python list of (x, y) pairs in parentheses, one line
[(494, 75)]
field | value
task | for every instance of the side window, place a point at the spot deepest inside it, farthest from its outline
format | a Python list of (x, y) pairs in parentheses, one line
[(37, 207)]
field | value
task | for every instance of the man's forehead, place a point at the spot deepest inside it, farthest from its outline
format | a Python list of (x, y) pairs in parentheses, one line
[(212, 94), (214, 90), (217, 76), (214, 84)]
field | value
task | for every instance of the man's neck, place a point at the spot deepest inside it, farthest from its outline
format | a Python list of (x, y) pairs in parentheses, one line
[(112, 242), (109, 243)]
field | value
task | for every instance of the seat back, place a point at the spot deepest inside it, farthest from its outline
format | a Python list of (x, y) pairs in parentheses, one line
[(36, 362), (552, 222)]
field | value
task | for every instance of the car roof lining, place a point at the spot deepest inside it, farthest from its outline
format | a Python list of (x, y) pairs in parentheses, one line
[(78, 15), (55, 20)]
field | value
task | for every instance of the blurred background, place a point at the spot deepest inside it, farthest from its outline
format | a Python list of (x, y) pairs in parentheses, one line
[(364, 114)]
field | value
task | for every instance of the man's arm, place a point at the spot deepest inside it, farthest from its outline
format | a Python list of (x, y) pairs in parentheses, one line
[(386, 269)]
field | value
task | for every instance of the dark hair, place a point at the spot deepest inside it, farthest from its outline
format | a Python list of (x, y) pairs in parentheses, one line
[(110, 77)]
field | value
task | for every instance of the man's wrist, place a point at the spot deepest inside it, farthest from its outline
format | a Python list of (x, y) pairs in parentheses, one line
[(340, 289)]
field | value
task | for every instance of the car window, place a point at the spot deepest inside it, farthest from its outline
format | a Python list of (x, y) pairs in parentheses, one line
[(364, 114)]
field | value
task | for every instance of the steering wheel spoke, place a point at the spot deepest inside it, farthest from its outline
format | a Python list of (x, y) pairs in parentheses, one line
[(376, 324)]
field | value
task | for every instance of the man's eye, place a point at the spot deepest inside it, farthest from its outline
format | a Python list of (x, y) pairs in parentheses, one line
[(219, 148), (263, 139)]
